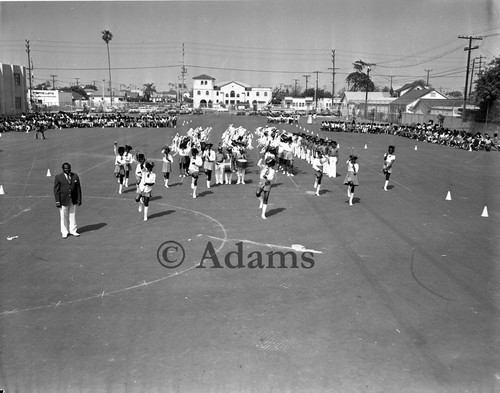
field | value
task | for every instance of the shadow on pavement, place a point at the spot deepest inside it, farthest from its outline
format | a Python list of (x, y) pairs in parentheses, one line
[(90, 228)]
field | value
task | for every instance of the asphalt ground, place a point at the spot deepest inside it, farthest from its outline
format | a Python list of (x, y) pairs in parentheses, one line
[(397, 293)]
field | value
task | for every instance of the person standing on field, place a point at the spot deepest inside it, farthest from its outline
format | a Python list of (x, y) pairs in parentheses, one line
[(389, 159), (68, 195)]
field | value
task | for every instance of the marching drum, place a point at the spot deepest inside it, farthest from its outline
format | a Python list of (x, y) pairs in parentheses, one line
[(228, 167), (241, 163)]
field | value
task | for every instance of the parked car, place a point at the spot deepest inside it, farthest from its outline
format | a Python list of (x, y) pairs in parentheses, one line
[(198, 111)]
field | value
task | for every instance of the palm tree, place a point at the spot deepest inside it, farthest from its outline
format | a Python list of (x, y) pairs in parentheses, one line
[(149, 89), (107, 36)]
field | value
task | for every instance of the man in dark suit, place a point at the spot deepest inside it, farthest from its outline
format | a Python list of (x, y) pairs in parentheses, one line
[(68, 194)]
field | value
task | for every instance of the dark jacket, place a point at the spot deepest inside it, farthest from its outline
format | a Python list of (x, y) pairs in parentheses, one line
[(67, 191)]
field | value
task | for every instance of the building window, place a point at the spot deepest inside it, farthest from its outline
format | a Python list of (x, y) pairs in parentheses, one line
[(265, 94), (227, 95), (17, 79), (206, 93), (199, 92), (233, 93), (237, 96), (18, 102), (257, 94)]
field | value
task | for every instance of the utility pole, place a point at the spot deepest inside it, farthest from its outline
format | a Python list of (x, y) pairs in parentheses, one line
[(316, 90), (472, 76), (183, 73), (295, 90), (333, 76), (392, 91), (29, 72), (468, 49), (427, 83), (480, 71), (307, 78), (53, 82), (368, 69), (77, 79)]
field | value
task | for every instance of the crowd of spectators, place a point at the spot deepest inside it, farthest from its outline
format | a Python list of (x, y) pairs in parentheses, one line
[(46, 121), (431, 133)]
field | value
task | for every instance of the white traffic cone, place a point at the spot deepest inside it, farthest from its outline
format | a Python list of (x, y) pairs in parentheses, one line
[(366, 147), (48, 173), (448, 196), (416, 148), (485, 212), (2, 192)]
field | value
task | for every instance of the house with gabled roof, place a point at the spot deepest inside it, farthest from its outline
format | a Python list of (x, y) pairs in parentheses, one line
[(229, 94), (409, 87), (352, 103), (408, 103), (446, 107)]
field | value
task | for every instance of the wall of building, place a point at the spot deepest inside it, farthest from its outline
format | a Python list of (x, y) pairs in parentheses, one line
[(231, 95), (45, 97), (13, 90)]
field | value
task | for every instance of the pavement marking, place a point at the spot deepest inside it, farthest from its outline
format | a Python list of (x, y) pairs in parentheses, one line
[(140, 285), (96, 166), (293, 247)]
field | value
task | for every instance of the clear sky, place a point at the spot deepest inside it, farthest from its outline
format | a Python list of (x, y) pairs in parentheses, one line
[(268, 43)]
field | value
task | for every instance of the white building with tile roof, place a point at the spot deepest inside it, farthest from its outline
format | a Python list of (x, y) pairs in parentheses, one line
[(232, 94)]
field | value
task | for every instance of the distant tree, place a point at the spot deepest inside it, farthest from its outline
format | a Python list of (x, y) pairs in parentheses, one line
[(77, 89), (359, 80), (43, 86), (309, 92), (321, 93), (149, 89), (172, 89), (90, 87), (487, 89), (277, 95), (455, 94)]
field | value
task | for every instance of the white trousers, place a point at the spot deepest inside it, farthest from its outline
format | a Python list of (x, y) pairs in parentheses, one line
[(333, 167), (68, 219), (219, 173)]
